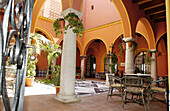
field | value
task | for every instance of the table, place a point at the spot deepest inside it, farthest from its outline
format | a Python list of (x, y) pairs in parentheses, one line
[(138, 74)]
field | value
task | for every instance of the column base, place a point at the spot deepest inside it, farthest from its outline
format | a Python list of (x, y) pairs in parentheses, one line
[(67, 99)]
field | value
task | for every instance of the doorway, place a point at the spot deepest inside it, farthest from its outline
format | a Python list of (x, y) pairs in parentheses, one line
[(91, 66)]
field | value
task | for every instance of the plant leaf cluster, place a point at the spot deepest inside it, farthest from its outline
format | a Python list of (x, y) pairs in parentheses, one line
[(77, 25)]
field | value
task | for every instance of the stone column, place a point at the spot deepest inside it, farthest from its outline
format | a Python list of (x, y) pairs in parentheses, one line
[(153, 64), (82, 65), (167, 2), (109, 61), (129, 57), (68, 64)]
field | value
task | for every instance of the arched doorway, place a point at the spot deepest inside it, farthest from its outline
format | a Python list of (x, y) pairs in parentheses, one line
[(91, 66), (140, 64)]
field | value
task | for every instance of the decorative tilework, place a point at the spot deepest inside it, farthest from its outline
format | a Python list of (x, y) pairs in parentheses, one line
[(42, 73)]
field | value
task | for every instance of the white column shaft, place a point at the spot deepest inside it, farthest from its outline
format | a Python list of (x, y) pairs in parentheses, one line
[(68, 64), (129, 60), (82, 67), (153, 66)]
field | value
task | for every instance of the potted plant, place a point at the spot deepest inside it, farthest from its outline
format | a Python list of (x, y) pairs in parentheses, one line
[(158, 53), (147, 59), (56, 78), (38, 41), (74, 22), (31, 70), (149, 53), (78, 76), (132, 44), (58, 25)]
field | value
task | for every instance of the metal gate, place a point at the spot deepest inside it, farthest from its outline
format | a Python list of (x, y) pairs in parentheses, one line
[(15, 23)]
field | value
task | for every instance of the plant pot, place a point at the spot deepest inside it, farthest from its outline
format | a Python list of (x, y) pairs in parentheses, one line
[(150, 54), (33, 41), (29, 81), (57, 89), (124, 46), (78, 77), (76, 19), (61, 23), (130, 44), (49, 76)]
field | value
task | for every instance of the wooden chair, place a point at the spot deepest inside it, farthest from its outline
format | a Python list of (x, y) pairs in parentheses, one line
[(115, 82), (138, 88), (159, 86)]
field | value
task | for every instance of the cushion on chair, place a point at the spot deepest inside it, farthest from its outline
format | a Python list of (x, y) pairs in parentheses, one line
[(158, 89), (116, 85)]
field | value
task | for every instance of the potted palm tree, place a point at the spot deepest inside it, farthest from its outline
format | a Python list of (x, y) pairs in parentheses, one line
[(37, 41)]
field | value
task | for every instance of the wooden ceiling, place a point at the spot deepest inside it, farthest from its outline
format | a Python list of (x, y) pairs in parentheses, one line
[(154, 8)]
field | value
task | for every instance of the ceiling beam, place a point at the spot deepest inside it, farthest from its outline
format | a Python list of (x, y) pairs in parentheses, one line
[(160, 20), (157, 9), (158, 15), (151, 3), (136, 1)]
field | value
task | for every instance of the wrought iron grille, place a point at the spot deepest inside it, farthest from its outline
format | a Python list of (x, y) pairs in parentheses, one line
[(15, 23)]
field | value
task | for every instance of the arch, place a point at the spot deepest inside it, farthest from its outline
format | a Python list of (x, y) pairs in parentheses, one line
[(116, 37), (145, 36), (86, 45), (49, 36), (38, 4), (124, 17), (140, 50), (157, 40), (79, 45), (149, 32)]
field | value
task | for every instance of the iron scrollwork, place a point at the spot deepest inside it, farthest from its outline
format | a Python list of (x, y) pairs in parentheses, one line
[(15, 24)]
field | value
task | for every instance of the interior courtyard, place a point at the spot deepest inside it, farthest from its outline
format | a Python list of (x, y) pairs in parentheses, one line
[(96, 56)]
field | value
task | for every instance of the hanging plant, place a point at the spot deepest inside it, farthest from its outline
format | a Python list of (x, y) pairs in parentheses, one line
[(147, 59), (74, 22), (132, 44), (158, 53), (122, 47), (149, 53), (58, 25)]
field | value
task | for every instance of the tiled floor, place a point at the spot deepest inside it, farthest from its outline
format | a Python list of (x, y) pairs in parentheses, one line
[(98, 102), (88, 103)]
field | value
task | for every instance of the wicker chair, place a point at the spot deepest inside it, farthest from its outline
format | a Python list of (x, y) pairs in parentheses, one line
[(138, 89), (115, 82)]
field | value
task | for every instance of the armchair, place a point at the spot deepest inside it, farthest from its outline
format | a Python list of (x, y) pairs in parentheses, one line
[(137, 88), (115, 82), (159, 86)]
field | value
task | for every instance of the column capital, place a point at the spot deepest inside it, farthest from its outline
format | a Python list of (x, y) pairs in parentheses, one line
[(82, 56), (153, 50), (129, 39), (71, 10)]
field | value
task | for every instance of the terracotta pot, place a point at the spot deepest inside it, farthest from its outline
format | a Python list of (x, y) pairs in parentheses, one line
[(150, 54), (57, 89), (124, 46), (33, 41), (130, 44), (49, 76), (61, 23), (76, 19), (78, 77), (29, 81)]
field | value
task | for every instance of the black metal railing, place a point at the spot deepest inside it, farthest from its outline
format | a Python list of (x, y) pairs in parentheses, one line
[(15, 24)]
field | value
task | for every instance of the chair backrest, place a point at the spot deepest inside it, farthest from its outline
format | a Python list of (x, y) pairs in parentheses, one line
[(135, 82)]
